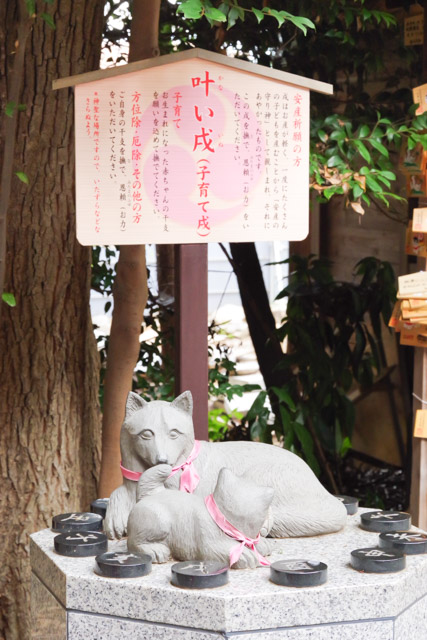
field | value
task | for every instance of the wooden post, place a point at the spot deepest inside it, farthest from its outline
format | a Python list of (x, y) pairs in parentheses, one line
[(418, 506), (191, 329), (418, 502)]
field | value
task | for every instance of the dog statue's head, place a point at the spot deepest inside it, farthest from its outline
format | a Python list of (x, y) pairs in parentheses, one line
[(157, 432)]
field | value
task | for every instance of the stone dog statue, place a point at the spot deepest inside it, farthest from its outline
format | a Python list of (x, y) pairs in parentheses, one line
[(161, 433), (174, 524)]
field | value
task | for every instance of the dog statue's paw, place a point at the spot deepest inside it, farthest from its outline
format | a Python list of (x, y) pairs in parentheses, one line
[(159, 552), (119, 507), (247, 560), (265, 546)]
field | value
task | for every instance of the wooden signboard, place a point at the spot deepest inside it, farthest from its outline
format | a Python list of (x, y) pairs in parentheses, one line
[(192, 147)]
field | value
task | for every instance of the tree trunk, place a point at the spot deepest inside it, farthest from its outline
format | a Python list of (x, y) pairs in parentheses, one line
[(130, 291), (261, 323), (49, 416)]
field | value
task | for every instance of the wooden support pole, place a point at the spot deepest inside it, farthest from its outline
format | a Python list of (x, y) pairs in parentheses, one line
[(418, 506), (191, 329), (418, 502)]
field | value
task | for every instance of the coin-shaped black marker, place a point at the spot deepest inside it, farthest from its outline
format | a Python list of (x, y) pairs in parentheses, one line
[(77, 522), (408, 542), (385, 521), (99, 506), (298, 573), (123, 564), (351, 504), (195, 574), (80, 544), (374, 560)]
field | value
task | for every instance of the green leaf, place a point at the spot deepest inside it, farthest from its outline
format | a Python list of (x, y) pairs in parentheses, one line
[(338, 135), (10, 108), (22, 176), (216, 14), (301, 22), (332, 191), (259, 14), (286, 419), (224, 7), (348, 17), (345, 446), (9, 299), (278, 15), (49, 20), (306, 441), (389, 175), (257, 406), (357, 191), (233, 16), (364, 131), (31, 7), (334, 161), (322, 135), (284, 396), (373, 184), (362, 150), (379, 147), (192, 9)]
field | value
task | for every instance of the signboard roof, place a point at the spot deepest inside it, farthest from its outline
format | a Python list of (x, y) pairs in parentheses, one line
[(202, 54)]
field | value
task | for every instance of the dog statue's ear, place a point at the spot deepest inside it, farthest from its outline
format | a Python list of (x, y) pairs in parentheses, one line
[(184, 402), (134, 402)]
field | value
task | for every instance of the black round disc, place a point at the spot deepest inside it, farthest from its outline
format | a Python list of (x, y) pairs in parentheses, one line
[(195, 574), (351, 504), (100, 506), (77, 522), (385, 521), (80, 544), (408, 542), (298, 573), (123, 564), (374, 560)]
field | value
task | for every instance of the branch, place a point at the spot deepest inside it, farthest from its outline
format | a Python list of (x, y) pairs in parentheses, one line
[(130, 290), (403, 221)]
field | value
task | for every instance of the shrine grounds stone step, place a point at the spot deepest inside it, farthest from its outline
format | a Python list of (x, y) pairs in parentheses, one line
[(70, 601)]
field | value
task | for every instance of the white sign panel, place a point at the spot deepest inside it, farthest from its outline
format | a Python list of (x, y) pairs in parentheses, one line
[(188, 152)]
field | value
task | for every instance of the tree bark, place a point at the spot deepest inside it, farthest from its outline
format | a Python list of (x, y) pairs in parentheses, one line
[(49, 415), (130, 291)]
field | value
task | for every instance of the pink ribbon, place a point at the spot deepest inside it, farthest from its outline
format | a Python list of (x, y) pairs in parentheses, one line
[(189, 477), (231, 531), (130, 475)]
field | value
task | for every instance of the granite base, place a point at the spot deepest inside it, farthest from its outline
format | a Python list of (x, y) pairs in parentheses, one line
[(72, 602)]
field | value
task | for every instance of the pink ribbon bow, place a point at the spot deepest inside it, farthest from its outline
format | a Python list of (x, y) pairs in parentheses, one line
[(189, 477), (231, 531)]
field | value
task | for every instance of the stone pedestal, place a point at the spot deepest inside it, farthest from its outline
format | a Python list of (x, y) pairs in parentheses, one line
[(71, 602)]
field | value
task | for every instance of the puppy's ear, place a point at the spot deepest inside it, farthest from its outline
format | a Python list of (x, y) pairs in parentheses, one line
[(184, 402), (134, 402)]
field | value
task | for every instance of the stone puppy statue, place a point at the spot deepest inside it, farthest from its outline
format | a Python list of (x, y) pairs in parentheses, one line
[(174, 524), (161, 432)]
